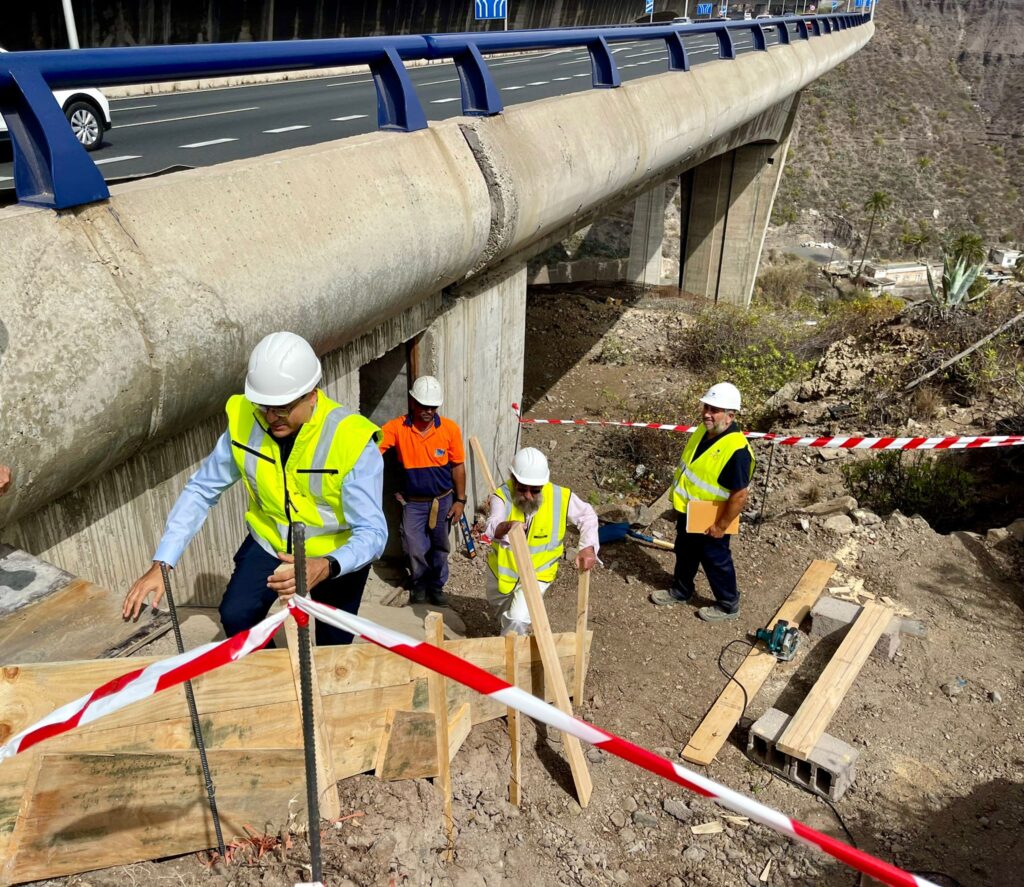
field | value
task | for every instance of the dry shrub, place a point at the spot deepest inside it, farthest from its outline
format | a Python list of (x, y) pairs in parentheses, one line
[(785, 285)]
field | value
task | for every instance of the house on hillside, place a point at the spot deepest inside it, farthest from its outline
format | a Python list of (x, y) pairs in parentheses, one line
[(1003, 257)]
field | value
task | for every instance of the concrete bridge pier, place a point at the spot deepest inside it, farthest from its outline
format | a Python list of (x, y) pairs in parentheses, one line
[(726, 204), (646, 238)]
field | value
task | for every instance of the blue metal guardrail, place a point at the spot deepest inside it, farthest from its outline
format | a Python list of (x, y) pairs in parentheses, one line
[(52, 169)]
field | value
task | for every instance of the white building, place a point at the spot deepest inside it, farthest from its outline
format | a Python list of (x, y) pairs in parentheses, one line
[(1004, 258)]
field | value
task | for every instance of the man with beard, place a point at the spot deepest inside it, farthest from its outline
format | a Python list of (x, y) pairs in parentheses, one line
[(430, 450), (716, 466), (528, 497)]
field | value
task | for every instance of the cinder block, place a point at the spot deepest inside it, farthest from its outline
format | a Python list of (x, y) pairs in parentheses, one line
[(832, 618), (829, 771)]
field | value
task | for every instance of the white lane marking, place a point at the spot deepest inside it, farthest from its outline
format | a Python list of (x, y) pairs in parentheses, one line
[(533, 57), (205, 144), (435, 82), (574, 62), (510, 88), (444, 101), (553, 79), (118, 159), (539, 83), (588, 74), (349, 117), (131, 108), (6, 179), (349, 82), (637, 55), (630, 65), (287, 128), (188, 117)]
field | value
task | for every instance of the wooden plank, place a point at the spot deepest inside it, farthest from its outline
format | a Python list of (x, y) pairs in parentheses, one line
[(88, 811), (481, 461), (511, 675), (549, 656), (326, 781), (710, 735), (434, 626), (580, 665), (409, 748), (805, 728)]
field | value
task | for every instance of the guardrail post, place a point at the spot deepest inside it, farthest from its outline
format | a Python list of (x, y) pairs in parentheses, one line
[(398, 106), (757, 33), (726, 49), (827, 25), (480, 97), (783, 30), (606, 72), (51, 168), (678, 60), (816, 27), (801, 27)]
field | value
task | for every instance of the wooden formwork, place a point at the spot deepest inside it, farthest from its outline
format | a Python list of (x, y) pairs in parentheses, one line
[(128, 787)]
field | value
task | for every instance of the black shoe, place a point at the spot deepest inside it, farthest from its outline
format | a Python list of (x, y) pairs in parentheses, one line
[(417, 596), (438, 597)]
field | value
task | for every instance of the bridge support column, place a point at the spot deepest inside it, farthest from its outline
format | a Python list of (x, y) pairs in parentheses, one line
[(476, 347), (726, 204), (645, 241)]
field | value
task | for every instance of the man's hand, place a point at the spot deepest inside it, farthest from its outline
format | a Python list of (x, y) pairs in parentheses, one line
[(5, 479), (714, 531), (586, 560), (456, 511), (501, 531), (282, 580), (150, 583)]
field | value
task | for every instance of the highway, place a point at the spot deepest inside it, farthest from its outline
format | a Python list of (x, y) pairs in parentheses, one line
[(155, 134)]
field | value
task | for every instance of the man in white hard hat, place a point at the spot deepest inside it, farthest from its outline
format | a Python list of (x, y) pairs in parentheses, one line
[(303, 459), (716, 466), (528, 497), (429, 446)]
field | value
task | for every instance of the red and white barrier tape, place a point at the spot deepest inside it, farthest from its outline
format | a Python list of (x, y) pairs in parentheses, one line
[(484, 682), (142, 683), (837, 443)]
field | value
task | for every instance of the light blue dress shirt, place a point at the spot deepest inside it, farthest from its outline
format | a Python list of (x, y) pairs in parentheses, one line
[(362, 491)]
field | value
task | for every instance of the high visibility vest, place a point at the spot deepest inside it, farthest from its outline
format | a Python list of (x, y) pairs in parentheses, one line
[(698, 479), (308, 489), (544, 537)]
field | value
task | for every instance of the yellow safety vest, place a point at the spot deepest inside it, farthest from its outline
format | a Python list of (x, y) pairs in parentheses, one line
[(545, 537), (698, 479), (309, 488)]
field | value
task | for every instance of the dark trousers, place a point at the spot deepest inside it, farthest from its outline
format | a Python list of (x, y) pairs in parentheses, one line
[(427, 549), (247, 599), (695, 550)]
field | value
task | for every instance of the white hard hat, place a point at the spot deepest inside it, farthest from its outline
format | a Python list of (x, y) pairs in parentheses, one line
[(723, 395), (427, 391), (530, 467), (282, 367)]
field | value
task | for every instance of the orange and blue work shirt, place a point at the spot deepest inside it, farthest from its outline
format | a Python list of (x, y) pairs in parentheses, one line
[(427, 458)]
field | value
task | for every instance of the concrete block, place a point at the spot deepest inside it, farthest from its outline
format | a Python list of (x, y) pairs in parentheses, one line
[(832, 618), (829, 770)]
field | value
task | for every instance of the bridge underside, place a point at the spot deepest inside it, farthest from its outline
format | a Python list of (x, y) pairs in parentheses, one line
[(127, 324)]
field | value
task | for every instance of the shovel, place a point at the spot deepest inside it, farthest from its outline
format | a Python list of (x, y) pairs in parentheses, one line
[(617, 532)]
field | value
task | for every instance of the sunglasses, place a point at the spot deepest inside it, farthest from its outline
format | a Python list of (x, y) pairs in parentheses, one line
[(282, 410), (535, 490)]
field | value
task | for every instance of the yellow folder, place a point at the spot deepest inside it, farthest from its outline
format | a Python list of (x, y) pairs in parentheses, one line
[(701, 515)]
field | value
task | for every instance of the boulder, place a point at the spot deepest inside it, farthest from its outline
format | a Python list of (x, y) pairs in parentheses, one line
[(841, 505), (840, 524)]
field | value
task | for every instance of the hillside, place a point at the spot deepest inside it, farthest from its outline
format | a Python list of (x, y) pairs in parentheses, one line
[(931, 111)]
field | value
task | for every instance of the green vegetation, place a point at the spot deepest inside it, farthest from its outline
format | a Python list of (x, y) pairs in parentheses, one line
[(958, 280)]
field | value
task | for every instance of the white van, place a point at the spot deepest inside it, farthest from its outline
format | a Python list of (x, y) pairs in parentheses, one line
[(87, 110)]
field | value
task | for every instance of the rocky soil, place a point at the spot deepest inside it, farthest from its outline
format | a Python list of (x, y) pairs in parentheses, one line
[(939, 786)]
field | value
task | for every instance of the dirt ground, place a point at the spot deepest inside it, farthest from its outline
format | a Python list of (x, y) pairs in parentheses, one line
[(939, 729)]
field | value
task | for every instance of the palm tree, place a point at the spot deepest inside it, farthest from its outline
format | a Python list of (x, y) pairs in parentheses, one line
[(916, 241), (968, 246), (877, 203)]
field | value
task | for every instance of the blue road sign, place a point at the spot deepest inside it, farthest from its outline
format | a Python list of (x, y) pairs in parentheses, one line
[(705, 8), (490, 9), (648, 7)]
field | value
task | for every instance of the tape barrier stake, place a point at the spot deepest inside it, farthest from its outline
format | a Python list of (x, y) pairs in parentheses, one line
[(488, 684)]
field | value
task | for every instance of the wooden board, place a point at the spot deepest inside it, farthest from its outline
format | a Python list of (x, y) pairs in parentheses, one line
[(701, 515), (805, 728), (436, 684), (481, 461), (511, 675), (549, 656), (718, 723), (409, 747), (88, 811), (582, 606)]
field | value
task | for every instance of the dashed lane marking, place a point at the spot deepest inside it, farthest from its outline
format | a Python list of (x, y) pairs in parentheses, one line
[(118, 159), (511, 88), (539, 83), (350, 117), (207, 144), (287, 128), (188, 117), (445, 101)]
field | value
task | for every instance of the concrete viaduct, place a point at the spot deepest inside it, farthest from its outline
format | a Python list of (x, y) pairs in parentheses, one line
[(126, 324)]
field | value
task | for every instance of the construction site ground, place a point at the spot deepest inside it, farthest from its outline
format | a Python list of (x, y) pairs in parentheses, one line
[(939, 788)]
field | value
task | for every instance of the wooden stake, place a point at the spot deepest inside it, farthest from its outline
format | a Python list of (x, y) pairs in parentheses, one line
[(582, 606), (549, 656), (511, 675), (712, 732), (330, 804), (481, 461), (437, 688)]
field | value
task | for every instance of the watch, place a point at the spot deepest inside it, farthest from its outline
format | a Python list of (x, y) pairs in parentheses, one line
[(463, 501), (333, 568)]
